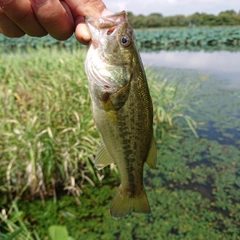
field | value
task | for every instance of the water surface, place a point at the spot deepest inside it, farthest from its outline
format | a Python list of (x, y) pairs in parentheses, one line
[(222, 64)]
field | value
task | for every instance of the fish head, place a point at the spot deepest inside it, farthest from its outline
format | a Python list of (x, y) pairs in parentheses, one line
[(110, 58), (112, 38)]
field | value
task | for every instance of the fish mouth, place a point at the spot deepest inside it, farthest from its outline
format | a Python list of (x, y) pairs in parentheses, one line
[(108, 20), (108, 23)]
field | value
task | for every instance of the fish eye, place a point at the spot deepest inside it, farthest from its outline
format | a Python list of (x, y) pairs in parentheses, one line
[(126, 41)]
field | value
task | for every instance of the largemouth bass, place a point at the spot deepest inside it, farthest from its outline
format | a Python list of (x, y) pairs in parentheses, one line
[(122, 109)]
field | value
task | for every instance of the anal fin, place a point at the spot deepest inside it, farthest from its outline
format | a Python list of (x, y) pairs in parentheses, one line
[(103, 158)]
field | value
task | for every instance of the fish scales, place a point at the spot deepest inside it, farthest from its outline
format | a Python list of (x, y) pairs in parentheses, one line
[(122, 109)]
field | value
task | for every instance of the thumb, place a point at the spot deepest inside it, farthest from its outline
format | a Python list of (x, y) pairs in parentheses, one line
[(82, 8)]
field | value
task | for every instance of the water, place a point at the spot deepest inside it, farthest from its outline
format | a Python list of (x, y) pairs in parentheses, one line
[(219, 94), (222, 64), (212, 162)]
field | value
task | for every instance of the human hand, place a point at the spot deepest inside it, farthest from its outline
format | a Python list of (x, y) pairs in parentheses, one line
[(41, 17)]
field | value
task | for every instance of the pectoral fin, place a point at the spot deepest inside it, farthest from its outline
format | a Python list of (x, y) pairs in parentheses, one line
[(152, 155), (103, 158), (109, 110)]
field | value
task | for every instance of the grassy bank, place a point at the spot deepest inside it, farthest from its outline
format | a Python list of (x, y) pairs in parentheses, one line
[(47, 135)]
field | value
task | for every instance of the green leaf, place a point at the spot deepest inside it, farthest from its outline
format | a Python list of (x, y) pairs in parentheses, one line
[(57, 232)]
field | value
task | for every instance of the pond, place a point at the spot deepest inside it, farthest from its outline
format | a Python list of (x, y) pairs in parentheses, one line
[(210, 164), (222, 64), (219, 94)]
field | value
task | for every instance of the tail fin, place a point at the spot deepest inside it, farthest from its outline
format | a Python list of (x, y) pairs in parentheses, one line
[(122, 204)]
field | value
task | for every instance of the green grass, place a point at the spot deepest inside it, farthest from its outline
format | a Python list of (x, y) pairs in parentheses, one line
[(47, 135), (15, 227)]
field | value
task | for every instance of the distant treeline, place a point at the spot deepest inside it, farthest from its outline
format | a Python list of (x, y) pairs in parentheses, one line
[(226, 18)]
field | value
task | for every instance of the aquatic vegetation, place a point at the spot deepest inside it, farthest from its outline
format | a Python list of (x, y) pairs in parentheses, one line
[(197, 38), (171, 97), (188, 37), (192, 197)]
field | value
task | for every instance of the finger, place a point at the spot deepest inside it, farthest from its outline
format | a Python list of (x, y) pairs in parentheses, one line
[(82, 32), (8, 27), (55, 16), (81, 8), (92, 8), (21, 13)]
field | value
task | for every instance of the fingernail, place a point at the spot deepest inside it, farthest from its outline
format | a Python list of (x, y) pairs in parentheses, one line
[(38, 3)]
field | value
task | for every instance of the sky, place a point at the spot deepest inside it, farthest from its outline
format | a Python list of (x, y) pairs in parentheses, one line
[(172, 7)]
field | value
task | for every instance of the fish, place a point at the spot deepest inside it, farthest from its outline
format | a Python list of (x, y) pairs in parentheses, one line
[(122, 109)]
